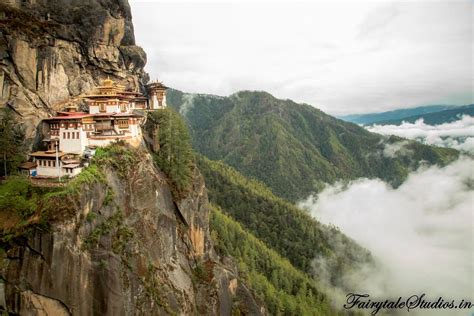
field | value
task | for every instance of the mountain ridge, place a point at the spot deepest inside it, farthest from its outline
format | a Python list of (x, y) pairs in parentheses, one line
[(433, 118), (372, 118), (293, 148)]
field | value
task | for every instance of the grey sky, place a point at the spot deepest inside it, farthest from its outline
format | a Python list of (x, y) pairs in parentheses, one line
[(342, 57)]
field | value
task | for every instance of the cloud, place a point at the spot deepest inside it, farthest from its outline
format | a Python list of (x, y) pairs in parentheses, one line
[(421, 233), (397, 149), (458, 134), (342, 57), (378, 20)]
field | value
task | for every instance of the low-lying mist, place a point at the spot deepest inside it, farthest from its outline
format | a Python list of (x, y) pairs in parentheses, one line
[(420, 234), (458, 134)]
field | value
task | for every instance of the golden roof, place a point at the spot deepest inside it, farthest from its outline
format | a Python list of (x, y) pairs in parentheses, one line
[(156, 85), (47, 154), (107, 82)]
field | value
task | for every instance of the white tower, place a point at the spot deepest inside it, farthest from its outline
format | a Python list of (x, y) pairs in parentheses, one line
[(156, 96)]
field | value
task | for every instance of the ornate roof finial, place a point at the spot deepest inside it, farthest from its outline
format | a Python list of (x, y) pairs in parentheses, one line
[(108, 82)]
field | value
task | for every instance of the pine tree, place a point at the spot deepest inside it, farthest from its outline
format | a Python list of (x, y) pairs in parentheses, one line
[(12, 146), (175, 157)]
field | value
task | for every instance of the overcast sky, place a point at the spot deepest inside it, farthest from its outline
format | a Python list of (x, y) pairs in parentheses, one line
[(341, 57)]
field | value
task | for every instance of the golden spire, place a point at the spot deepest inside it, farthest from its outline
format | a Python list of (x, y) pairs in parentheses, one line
[(108, 82)]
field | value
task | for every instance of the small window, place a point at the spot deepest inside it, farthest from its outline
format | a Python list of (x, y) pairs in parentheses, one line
[(77, 135)]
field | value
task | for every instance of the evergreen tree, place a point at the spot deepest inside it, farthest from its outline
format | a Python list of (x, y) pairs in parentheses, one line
[(175, 156), (12, 146)]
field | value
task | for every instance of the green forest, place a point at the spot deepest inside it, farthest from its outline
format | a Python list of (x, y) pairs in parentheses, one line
[(293, 148), (284, 289), (174, 154), (289, 231)]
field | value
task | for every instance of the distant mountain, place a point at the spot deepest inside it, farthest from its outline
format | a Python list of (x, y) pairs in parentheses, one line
[(371, 118), (293, 148), (434, 118)]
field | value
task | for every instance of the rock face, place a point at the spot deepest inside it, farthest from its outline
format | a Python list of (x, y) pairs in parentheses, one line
[(128, 249), (51, 51)]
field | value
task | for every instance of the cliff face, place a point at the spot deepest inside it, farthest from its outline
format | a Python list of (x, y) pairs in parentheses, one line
[(51, 51), (126, 248), (121, 245)]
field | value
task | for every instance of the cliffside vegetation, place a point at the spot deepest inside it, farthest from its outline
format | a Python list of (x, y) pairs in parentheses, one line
[(293, 148), (25, 207), (12, 142), (115, 238), (285, 289), (173, 152), (281, 226)]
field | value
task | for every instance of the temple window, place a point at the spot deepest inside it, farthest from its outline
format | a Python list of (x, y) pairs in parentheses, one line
[(123, 123)]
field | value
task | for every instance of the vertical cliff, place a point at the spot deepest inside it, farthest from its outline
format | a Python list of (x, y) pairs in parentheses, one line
[(117, 243), (51, 51)]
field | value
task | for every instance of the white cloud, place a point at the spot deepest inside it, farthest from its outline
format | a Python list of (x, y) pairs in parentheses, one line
[(343, 57), (458, 134), (421, 233), (397, 149)]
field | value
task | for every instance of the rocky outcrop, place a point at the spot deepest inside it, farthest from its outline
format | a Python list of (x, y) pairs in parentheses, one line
[(126, 249), (51, 51)]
